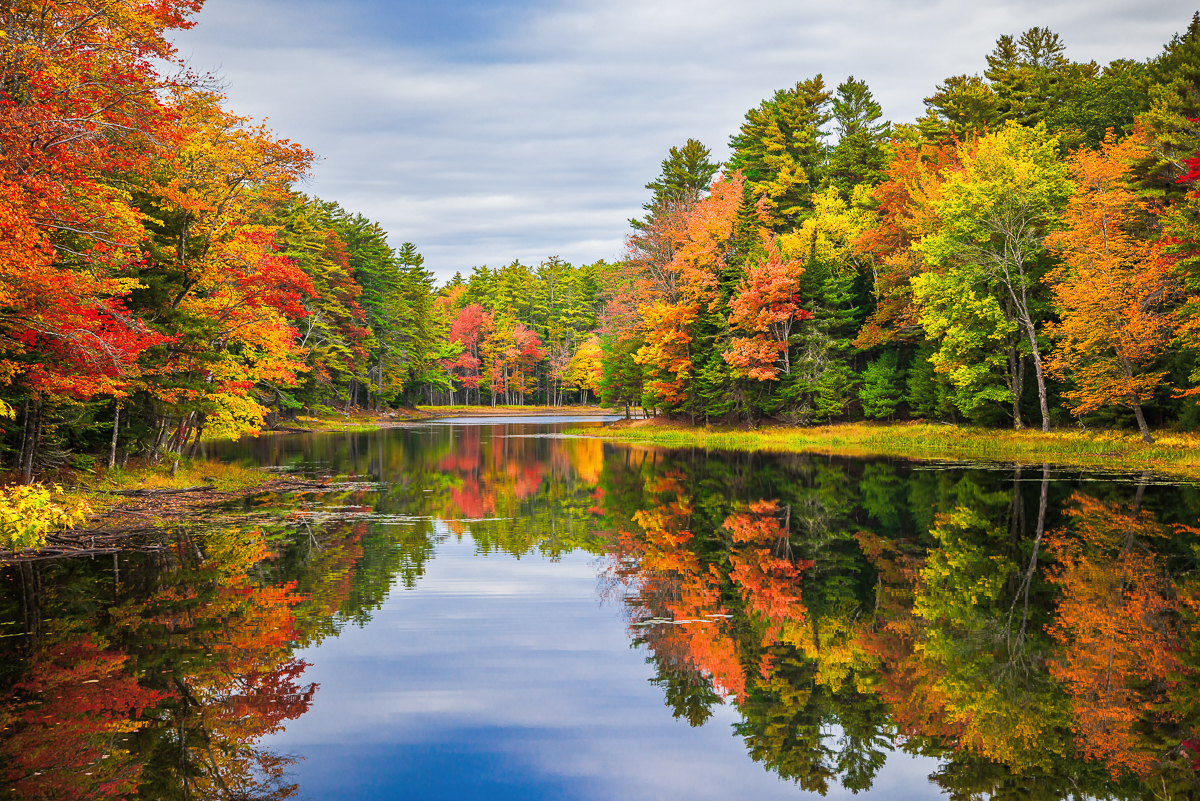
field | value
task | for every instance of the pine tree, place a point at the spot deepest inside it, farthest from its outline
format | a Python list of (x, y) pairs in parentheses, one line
[(882, 386), (780, 150), (860, 155), (687, 172)]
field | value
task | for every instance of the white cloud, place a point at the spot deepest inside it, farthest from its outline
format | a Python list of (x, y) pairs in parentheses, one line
[(531, 131)]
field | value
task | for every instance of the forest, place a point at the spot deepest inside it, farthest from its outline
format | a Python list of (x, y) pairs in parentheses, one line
[(1024, 254)]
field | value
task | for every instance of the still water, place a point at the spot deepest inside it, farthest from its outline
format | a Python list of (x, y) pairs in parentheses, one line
[(486, 609)]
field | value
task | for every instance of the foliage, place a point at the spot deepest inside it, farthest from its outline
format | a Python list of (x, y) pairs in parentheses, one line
[(1112, 288), (882, 387), (29, 513), (163, 282)]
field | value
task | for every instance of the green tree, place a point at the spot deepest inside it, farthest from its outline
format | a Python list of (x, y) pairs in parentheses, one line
[(961, 107), (860, 155), (882, 386), (687, 172), (780, 150), (621, 378), (1173, 92), (995, 215)]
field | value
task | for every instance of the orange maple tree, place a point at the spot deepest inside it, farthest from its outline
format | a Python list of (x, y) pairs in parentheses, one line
[(1112, 288)]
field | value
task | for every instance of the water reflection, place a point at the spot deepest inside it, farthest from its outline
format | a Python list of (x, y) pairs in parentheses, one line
[(1036, 638), (1033, 632)]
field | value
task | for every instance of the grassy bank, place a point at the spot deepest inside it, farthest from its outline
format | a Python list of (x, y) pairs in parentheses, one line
[(1111, 450), (191, 473)]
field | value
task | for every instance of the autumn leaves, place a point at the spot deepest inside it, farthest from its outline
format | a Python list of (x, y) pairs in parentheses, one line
[(1020, 255)]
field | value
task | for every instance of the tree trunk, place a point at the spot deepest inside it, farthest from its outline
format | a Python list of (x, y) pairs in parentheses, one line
[(112, 449), (1016, 369), (1041, 377), (1135, 404), (1141, 421), (199, 436), (24, 435), (33, 430), (379, 393)]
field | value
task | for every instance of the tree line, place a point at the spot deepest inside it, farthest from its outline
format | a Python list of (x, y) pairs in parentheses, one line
[(1022, 254)]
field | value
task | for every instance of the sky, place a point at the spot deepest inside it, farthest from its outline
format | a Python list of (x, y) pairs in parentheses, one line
[(485, 131)]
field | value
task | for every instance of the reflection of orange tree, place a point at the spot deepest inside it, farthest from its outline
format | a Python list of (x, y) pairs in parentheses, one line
[(220, 644), (676, 582), (516, 494), (65, 730), (763, 568), (674, 585), (492, 479), (1117, 622)]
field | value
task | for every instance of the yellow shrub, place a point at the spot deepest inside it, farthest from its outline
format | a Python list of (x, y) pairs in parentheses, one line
[(28, 514)]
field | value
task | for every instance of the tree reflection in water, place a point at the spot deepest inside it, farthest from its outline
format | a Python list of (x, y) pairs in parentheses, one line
[(1036, 633), (1042, 646)]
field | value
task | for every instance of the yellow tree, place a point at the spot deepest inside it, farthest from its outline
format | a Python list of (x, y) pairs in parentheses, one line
[(229, 295), (1111, 288), (585, 370)]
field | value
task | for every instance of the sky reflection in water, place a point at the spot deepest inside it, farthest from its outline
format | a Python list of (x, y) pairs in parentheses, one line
[(502, 678)]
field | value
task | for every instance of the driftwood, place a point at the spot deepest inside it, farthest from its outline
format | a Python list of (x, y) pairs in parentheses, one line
[(91, 542)]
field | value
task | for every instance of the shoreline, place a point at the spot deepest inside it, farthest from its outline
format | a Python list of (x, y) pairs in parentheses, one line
[(375, 421), (441, 412), (1175, 454)]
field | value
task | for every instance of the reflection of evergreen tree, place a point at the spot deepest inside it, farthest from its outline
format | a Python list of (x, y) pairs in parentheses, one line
[(689, 693)]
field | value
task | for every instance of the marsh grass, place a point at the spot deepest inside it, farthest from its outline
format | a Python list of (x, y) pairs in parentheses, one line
[(349, 425), (1113, 450), (191, 473)]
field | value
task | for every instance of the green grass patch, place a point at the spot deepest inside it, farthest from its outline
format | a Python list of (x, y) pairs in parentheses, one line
[(1177, 453), (191, 473), (350, 425)]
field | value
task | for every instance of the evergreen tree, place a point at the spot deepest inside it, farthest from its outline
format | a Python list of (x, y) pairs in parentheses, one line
[(860, 154), (687, 172), (780, 150), (961, 107), (882, 386), (1171, 117)]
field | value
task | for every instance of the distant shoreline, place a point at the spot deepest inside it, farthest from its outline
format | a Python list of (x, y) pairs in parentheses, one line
[(437, 412)]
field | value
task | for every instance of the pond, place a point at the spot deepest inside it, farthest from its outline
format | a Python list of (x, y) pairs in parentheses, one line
[(488, 609)]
